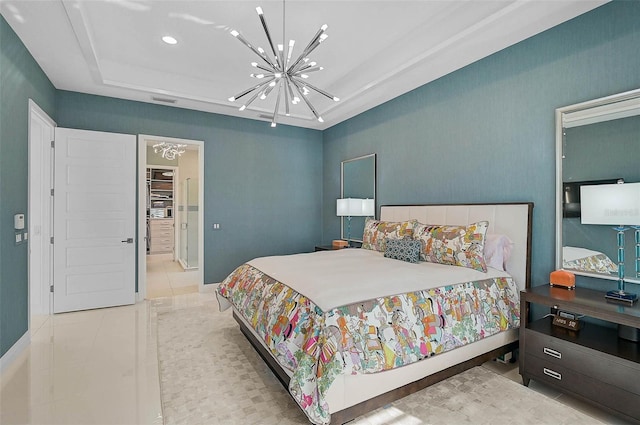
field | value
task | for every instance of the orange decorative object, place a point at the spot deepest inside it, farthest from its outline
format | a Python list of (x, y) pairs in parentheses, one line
[(562, 278), (339, 243)]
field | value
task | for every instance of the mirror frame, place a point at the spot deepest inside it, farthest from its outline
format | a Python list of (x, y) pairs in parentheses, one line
[(593, 109), (375, 189)]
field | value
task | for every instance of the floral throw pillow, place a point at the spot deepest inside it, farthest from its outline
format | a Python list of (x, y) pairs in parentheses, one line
[(376, 231), (453, 245), (406, 249)]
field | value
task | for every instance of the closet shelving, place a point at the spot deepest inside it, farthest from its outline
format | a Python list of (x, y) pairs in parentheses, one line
[(160, 225)]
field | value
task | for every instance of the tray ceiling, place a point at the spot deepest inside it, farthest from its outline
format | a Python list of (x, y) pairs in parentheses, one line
[(376, 50)]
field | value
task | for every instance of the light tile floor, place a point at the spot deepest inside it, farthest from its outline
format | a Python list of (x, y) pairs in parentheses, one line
[(100, 367), (90, 367), (166, 278)]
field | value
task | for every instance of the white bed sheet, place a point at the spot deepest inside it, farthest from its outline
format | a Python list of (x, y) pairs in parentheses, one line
[(335, 278)]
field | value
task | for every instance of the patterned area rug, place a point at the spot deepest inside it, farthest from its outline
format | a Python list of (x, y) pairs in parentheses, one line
[(210, 374)]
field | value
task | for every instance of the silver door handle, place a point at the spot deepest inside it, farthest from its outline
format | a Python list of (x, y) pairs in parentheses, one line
[(128, 240)]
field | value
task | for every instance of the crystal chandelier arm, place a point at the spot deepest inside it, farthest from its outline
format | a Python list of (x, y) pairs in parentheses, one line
[(169, 150), (158, 147), (312, 87), (315, 113), (244, 41)]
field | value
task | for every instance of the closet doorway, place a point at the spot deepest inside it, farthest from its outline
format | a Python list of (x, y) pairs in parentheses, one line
[(170, 252)]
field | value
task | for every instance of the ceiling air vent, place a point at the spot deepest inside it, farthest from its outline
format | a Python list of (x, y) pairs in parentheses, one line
[(163, 99)]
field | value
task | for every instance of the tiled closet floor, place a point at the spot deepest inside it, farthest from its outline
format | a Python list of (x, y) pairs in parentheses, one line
[(166, 278)]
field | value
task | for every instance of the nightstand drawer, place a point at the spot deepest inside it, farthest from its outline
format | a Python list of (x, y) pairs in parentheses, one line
[(599, 366), (602, 393)]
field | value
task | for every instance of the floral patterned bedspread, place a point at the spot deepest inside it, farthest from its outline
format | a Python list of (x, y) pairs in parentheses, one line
[(365, 337), (598, 263)]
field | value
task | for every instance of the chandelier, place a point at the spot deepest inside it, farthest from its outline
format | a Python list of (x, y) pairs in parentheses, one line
[(169, 150), (279, 73)]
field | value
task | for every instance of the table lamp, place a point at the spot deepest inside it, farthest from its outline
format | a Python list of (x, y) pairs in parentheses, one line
[(354, 207), (616, 205)]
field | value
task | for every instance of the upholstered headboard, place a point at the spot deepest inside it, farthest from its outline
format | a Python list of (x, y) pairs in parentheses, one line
[(513, 220)]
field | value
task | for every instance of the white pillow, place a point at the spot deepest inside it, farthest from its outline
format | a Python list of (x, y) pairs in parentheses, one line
[(497, 250)]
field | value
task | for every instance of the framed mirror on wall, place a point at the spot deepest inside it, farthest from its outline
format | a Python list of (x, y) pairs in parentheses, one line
[(597, 143), (357, 180)]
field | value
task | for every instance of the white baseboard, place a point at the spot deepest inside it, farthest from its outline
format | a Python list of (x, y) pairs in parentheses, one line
[(14, 352)]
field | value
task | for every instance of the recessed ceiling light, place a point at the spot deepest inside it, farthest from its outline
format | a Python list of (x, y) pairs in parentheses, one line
[(169, 40)]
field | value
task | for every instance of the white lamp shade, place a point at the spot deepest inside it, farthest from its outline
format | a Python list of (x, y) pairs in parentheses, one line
[(368, 207), (354, 207), (610, 204)]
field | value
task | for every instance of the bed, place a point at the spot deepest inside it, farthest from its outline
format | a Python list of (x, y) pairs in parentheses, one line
[(351, 330), (586, 260)]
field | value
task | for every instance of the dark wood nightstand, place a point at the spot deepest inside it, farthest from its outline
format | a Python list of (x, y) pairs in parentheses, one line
[(593, 363)]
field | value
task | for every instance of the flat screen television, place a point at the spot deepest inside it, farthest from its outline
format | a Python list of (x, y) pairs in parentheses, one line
[(571, 195)]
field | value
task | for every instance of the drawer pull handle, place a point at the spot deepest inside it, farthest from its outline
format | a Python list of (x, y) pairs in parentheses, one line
[(552, 373), (552, 353)]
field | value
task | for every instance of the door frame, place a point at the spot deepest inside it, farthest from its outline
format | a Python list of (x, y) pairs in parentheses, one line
[(40, 274), (143, 140)]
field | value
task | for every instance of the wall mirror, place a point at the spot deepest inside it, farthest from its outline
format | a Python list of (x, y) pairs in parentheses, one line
[(597, 142), (358, 180)]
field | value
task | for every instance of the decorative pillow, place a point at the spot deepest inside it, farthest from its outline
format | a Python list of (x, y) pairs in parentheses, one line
[(406, 249), (497, 250), (376, 231), (454, 245)]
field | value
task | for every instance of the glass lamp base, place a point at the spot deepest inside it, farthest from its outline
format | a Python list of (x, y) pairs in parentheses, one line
[(621, 296)]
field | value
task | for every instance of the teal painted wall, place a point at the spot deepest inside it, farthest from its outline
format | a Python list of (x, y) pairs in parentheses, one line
[(20, 79), (486, 133), (482, 134), (263, 185)]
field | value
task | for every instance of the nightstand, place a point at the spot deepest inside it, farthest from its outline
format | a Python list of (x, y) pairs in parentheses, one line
[(593, 363), (327, 248)]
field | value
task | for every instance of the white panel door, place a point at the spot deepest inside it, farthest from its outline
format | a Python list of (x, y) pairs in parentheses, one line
[(94, 220)]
